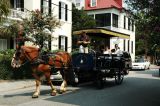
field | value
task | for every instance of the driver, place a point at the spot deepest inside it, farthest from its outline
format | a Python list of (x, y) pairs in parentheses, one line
[(83, 42)]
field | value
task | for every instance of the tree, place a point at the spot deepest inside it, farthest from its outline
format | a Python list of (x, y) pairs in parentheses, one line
[(7, 27), (147, 22), (80, 19), (4, 9), (40, 27), (9, 30)]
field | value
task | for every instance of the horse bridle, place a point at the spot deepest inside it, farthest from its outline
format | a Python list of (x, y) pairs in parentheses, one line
[(27, 57)]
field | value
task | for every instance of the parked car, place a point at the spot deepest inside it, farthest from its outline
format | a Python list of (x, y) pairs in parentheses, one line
[(57, 77), (140, 64)]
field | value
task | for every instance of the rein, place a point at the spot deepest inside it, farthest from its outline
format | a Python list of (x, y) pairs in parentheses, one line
[(27, 61), (28, 58), (38, 58)]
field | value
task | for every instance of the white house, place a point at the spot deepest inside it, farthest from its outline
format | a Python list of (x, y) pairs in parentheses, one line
[(113, 20), (62, 9)]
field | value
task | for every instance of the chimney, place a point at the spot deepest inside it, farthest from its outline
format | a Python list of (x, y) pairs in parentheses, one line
[(120, 2)]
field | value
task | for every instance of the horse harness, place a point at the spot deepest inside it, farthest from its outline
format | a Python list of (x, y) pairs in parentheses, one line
[(42, 59)]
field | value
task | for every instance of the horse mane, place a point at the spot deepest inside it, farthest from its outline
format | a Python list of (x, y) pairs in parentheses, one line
[(30, 48)]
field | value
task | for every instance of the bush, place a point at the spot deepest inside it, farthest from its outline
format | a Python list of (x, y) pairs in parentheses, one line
[(7, 72), (5, 61)]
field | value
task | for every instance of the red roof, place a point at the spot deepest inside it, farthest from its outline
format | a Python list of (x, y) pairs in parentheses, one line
[(103, 4)]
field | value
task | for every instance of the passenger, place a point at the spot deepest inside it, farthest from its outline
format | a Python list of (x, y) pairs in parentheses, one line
[(118, 51), (112, 51), (83, 43), (106, 50), (116, 47)]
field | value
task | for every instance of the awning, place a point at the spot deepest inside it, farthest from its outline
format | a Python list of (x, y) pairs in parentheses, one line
[(103, 31)]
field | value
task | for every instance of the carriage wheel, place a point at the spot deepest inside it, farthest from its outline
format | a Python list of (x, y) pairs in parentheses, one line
[(119, 75), (99, 81)]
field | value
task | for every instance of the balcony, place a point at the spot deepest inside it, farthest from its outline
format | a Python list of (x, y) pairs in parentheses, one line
[(17, 14)]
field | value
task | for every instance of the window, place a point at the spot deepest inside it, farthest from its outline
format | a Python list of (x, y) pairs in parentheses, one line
[(103, 20), (63, 41), (93, 3), (44, 6), (3, 44), (78, 3), (19, 4), (63, 11), (124, 22), (115, 20)]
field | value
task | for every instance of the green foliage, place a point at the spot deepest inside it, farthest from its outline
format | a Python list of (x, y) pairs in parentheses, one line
[(7, 72), (4, 9), (147, 17), (5, 64), (40, 26), (80, 20), (9, 31)]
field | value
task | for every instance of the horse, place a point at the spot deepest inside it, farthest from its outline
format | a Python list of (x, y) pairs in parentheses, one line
[(60, 60)]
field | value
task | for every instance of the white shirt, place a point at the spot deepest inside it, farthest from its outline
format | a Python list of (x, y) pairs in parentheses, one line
[(106, 52), (118, 51)]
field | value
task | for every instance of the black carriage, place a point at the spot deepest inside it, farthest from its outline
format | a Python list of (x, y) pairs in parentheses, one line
[(97, 67)]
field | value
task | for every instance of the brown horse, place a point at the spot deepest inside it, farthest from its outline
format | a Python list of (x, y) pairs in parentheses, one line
[(60, 61)]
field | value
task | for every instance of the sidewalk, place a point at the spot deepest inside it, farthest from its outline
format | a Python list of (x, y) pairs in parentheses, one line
[(152, 66), (15, 84)]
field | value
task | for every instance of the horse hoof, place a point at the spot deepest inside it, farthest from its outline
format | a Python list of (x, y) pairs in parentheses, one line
[(35, 96), (61, 91), (53, 94)]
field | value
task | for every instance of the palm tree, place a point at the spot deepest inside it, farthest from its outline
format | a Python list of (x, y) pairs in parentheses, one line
[(4, 9)]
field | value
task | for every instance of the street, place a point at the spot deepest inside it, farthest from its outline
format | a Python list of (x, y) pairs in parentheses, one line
[(139, 88)]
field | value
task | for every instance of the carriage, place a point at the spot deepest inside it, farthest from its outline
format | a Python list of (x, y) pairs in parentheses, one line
[(92, 66), (97, 67)]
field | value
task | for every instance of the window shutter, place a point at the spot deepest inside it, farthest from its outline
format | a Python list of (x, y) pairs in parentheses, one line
[(50, 42), (59, 10), (11, 43), (59, 44), (66, 43), (12, 3), (50, 7), (124, 22), (66, 12), (128, 45), (22, 5), (132, 47), (41, 6), (124, 45)]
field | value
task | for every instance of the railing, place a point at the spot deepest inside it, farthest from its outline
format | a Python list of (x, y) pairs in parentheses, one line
[(18, 14)]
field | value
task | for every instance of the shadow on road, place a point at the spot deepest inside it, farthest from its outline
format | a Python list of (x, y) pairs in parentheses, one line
[(133, 92)]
